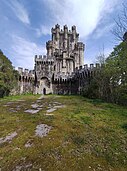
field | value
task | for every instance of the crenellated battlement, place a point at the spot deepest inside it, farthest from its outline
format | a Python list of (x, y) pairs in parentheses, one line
[(40, 57), (64, 29), (57, 32), (49, 44), (85, 71), (81, 46), (88, 67), (25, 74), (43, 60), (62, 69)]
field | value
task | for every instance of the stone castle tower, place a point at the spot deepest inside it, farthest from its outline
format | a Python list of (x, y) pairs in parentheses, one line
[(64, 54)]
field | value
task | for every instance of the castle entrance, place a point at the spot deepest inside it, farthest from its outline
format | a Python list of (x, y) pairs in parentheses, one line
[(44, 91), (45, 85)]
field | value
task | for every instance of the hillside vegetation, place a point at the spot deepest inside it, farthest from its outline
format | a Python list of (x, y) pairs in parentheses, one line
[(110, 82), (85, 134), (8, 76)]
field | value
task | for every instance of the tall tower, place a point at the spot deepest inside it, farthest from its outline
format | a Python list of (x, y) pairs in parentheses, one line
[(66, 50), (81, 47), (64, 54)]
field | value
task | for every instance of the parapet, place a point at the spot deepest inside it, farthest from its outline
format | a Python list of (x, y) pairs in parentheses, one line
[(80, 67), (91, 66), (88, 67), (49, 44), (44, 60), (53, 30), (73, 28), (25, 72), (57, 26), (97, 65), (65, 27), (63, 76), (31, 72), (56, 29), (20, 70), (39, 57), (80, 45)]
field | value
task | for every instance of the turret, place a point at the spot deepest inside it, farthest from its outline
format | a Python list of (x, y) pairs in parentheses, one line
[(20, 70), (65, 36), (49, 46), (81, 47), (91, 66), (86, 66), (74, 32), (65, 31), (57, 27)]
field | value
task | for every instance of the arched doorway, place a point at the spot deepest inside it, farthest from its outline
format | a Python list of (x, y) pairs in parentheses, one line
[(44, 91), (44, 85)]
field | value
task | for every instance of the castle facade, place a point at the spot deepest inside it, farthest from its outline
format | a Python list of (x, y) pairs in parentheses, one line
[(62, 69), (64, 54)]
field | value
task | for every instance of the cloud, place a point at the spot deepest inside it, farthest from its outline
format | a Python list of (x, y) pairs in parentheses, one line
[(85, 14), (19, 10), (43, 30), (24, 51)]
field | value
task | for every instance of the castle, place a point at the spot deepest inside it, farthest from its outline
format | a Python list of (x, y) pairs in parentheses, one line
[(61, 70)]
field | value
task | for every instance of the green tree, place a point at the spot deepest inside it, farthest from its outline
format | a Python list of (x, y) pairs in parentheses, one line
[(116, 67), (110, 80), (8, 76)]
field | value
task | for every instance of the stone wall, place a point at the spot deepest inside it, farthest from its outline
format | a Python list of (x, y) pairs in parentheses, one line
[(26, 81), (77, 82), (60, 71)]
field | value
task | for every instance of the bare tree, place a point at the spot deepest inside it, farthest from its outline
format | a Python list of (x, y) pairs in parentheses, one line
[(120, 31)]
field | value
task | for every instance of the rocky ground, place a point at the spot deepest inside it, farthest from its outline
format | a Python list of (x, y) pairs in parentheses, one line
[(65, 133)]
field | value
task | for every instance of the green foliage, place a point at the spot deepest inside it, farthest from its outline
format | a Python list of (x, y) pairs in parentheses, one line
[(110, 82), (117, 69), (8, 76), (85, 133), (85, 119), (124, 126), (77, 139)]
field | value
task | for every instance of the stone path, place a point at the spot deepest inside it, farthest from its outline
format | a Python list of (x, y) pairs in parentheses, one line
[(50, 110), (54, 108), (32, 111), (60, 106), (8, 138), (35, 106), (23, 167), (42, 130)]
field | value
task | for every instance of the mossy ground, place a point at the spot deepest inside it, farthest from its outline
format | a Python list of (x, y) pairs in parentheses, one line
[(85, 135)]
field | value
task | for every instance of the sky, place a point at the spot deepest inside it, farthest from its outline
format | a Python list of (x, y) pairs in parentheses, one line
[(25, 26)]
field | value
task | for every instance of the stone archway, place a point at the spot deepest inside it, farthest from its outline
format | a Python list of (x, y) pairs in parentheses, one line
[(45, 86)]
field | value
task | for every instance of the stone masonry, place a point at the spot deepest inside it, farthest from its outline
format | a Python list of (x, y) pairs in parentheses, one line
[(60, 70)]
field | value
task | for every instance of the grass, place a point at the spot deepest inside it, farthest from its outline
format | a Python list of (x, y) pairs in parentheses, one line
[(86, 135)]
